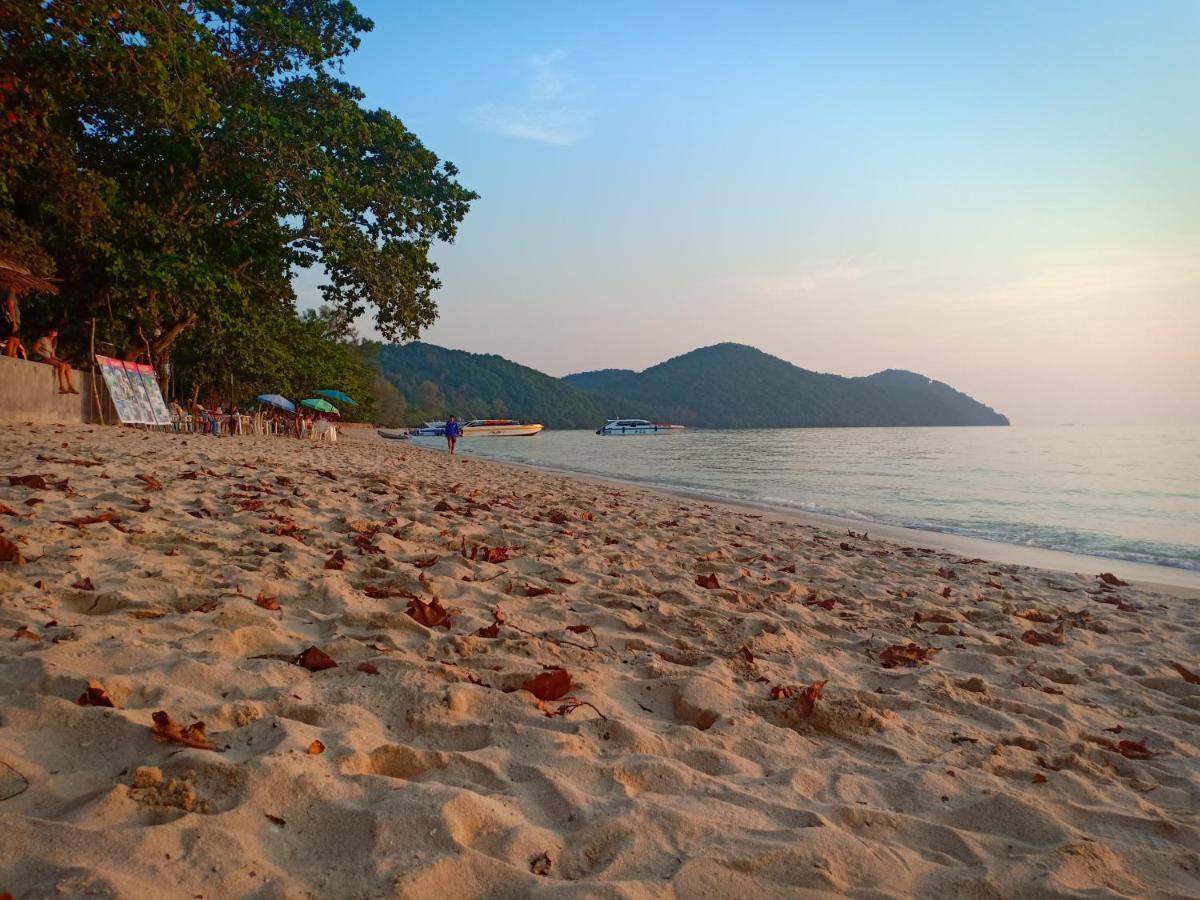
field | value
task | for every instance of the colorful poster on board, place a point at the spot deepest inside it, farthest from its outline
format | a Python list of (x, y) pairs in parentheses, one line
[(162, 415), (129, 410), (138, 393), (141, 377)]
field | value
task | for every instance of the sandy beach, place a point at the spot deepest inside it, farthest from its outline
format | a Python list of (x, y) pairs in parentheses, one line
[(546, 685)]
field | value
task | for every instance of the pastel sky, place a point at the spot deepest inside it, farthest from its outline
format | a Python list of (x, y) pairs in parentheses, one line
[(1002, 196)]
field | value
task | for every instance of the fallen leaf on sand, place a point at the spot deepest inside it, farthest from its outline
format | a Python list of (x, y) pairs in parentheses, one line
[(431, 614), (806, 700), (425, 563), (579, 629), (708, 581), (10, 552), (37, 482), (1189, 677), (152, 483), (1110, 578), (1055, 638), (84, 584), (826, 604), (337, 562), (189, 735), (905, 655), (382, 593), (1034, 615), (489, 631), (24, 634), (532, 591), (557, 517), (87, 520), (541, 864), (266, 602), (367, 668), (552, 685), (316, 748), (1039, 778), (498, 555), (1130, 749), (567, 580), (443, 506), (6, 510), (278, 820), (315, 660), (96, 695), (944, 618)]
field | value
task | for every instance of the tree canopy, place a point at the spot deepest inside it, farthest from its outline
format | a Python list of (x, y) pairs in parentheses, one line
[(174, 164)]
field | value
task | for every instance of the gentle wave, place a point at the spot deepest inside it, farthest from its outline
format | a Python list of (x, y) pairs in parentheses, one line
[(1121, 494)]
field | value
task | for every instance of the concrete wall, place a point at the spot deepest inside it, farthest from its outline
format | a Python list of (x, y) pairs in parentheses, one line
[(29, 393)]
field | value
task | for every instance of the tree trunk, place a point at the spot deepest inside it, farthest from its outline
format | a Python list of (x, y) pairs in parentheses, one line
[(163, 344)]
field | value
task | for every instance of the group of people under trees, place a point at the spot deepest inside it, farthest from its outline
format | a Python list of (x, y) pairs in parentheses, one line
[(45, 348)]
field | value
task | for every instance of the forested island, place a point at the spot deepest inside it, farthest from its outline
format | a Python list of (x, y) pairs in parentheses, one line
[(722, 386)]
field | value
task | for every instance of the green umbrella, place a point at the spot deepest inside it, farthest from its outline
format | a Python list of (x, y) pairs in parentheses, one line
[(320, 405), (336, 395)]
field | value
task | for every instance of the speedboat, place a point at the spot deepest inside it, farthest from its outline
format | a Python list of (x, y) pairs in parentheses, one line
[(635, 426), (499, 428), (430, 429)]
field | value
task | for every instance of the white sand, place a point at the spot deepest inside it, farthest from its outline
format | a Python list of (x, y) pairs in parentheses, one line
[(987, 771)]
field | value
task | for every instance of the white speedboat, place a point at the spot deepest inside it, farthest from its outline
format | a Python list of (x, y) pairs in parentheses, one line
[(499, 428), (635, 426), (430, 429)]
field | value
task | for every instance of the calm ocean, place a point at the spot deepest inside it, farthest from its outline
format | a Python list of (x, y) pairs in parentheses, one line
[(1122, 493)]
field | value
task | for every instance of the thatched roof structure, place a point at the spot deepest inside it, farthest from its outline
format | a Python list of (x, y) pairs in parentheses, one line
[(19, 277)]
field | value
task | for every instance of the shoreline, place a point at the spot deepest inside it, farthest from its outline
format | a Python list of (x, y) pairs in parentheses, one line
[(1169, 579)]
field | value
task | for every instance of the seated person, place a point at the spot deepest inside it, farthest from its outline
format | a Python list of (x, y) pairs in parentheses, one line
[(45, 349)]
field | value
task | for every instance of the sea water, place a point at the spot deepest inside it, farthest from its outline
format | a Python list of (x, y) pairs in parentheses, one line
[(1123, 493)]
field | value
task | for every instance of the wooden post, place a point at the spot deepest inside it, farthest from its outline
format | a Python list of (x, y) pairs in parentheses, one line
[(95, 389)]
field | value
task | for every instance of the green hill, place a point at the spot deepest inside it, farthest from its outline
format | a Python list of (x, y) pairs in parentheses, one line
[(723, 386), (437, 382), (735, 386)]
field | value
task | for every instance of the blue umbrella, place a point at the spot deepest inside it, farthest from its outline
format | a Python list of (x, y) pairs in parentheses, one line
[(278, 402), (336, 395)]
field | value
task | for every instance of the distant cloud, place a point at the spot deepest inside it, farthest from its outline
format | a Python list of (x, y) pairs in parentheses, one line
[(806, 281), (547, 114)]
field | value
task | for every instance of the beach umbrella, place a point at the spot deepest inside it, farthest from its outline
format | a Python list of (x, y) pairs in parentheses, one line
[(278, 402), (337, 395), (320, 405)]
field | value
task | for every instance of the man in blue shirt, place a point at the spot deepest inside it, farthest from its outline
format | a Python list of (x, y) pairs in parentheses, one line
[(453, 430)]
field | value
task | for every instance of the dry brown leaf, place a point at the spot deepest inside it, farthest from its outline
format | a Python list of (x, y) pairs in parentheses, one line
[(1039, 778), (567, 580), (498, 555), (532, 591), (7, 511), (806, 700), (10, 552), (425, 563), (315, 660), (316, 748), (337, 562), (1034, 615), (579, 629), (1130, 749), (443, 506), (905, 655), (87, 520), (37, 482), (24, 634), (541, 864), (278, 820), (189, 735), (271, 603), (1189, 677), (708, 581), (431, 614), (367, 668), (152, 483), (944, 618), (84, 584), (489, 631), (1110, 578), (1055, 638), (96, 695), (553, 685)]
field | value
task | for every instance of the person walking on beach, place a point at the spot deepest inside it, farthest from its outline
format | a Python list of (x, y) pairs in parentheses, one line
[(45, 349), (453, 430)]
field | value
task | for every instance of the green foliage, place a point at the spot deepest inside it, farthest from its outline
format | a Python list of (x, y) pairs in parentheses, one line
[(174, 164), (437, 381)]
